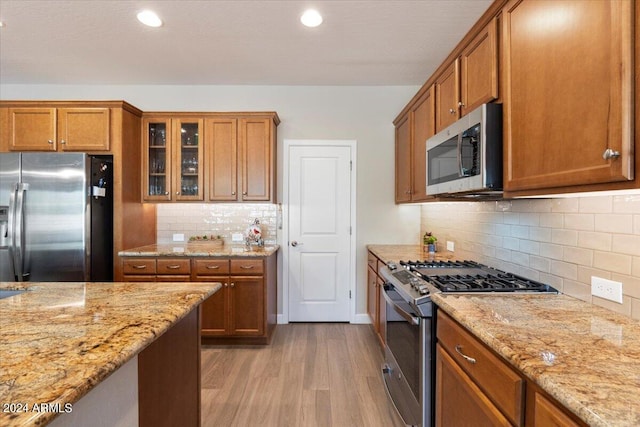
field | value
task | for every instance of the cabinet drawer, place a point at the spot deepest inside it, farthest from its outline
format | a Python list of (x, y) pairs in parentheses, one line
[(372, 261), (211, 267), (174, 266), (246, 266), (139, 266), (496, 379)]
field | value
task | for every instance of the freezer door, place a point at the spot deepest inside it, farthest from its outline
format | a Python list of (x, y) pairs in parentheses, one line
[(56, 216), (9, 178)]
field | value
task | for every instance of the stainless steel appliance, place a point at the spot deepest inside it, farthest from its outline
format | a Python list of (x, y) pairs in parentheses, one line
[(409, 368), (56, 217), (466, 157)]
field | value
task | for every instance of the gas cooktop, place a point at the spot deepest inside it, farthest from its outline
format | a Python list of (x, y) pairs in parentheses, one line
[(416, 279)]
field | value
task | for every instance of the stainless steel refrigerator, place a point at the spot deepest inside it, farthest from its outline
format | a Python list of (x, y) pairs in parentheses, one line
[(56, 217)]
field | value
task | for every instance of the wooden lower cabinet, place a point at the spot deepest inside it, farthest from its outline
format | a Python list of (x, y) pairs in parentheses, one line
[(244, 311), (475, 387), (375, 300), (459, 401)]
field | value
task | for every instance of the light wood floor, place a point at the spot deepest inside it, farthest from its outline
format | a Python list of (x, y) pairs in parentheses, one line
[(312, 374)]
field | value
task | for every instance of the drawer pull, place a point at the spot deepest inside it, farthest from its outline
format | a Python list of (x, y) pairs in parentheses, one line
[(213, 267), (139, 267), (233, 285), (173, 267), (464, 356), (246, 267)]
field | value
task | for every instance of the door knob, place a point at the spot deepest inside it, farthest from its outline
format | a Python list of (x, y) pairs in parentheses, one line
[(295, 243)]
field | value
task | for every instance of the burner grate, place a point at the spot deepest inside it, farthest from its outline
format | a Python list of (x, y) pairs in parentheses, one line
[(500, 282)]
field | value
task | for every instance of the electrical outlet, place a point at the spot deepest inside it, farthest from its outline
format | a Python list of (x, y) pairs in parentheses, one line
[(607, 289), (236, 237), (178, 237), (450, 245)]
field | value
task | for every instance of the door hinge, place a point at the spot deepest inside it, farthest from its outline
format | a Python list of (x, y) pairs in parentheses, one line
[(350, 230), (349, 294), (350, 165)]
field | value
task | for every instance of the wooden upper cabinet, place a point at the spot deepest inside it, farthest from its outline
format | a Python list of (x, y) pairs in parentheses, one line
[(257, 159), (222, 158), (403, 159), (157, 142), (423, 127), (59, 129), (568, 93), (188, 159), (479, 69), (447, 93)]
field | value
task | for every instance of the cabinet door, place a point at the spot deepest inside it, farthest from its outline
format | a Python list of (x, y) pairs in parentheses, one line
[(403, 160), (215, 309), (479, 69), (84, 129), (157, 159), (372, 298), (423, 128), (222, 159), (256, 159), (547, 414), (459, 401), (32, 129), (246, 304), (568, 93), (187, 159), (447, 96)]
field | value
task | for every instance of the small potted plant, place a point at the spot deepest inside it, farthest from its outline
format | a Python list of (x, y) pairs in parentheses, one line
[(429, 242)]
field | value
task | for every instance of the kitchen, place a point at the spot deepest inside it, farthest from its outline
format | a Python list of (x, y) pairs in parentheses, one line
[(365, 113)]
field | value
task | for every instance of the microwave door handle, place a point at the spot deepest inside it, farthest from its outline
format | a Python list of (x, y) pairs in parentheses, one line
[(459, 152), (406, 316)]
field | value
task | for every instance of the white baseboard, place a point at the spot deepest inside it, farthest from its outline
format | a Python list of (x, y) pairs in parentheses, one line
[(361, 318)]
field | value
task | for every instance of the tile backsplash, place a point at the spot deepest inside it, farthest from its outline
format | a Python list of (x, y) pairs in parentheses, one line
[(562, 242), (217, 219)]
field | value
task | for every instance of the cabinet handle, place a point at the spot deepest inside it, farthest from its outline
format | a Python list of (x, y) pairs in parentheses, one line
[(226, 285), (166, 193), (233, 193), (213, 267), (173, 267), (452, 111), (244, 193), (464, 356), (177, 193), (50, 142), (246, 267), (233, 284), (461, 104), (139, 267), (62, 141), (610, 154)]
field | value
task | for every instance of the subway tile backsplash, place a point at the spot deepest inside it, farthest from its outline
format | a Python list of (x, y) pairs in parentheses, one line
[(195, 219), (562, 242)]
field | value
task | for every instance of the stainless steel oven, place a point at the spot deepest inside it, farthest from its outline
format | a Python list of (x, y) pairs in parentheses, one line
[(409, 367)]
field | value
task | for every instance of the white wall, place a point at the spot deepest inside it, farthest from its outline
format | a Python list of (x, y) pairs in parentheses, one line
[(362, 113)]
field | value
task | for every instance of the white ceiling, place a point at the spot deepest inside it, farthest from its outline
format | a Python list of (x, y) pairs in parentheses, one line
[(245, 42)]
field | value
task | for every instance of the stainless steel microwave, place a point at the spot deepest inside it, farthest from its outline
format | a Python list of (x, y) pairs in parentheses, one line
[(466, 157)]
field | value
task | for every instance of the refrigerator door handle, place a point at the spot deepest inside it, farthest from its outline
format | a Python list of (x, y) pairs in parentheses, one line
[(11, 235), (18, 233)]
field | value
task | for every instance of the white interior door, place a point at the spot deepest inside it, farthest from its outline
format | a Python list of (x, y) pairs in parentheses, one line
[(319, 233)]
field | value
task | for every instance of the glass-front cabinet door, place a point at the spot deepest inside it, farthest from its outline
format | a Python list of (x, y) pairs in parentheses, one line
[(188, 170), (157, 159)]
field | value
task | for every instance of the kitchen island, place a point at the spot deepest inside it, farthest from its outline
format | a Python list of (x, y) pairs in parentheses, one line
[(583, 356), (60, 341)]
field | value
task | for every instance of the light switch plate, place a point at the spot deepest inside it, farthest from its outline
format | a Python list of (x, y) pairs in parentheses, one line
[(236, 237), (607, 289), (178, 237), (450, 245)]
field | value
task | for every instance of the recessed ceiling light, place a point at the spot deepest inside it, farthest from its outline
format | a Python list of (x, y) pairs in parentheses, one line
[(149, 18), (311, 18)]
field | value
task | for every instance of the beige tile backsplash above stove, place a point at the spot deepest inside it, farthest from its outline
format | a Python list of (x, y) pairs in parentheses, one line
[(561, 241)]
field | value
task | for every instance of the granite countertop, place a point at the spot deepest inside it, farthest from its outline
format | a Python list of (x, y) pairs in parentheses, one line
[(59, 340), (199, 249), (586, 357)]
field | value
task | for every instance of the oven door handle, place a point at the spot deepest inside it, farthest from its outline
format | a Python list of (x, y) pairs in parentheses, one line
[(406, 316)]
